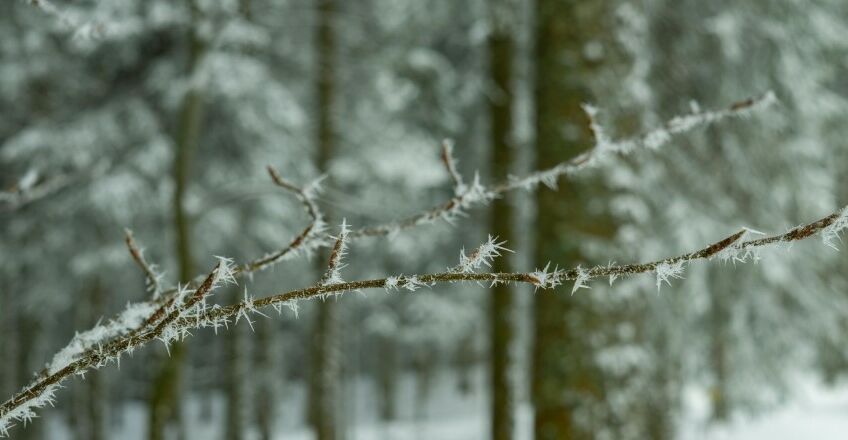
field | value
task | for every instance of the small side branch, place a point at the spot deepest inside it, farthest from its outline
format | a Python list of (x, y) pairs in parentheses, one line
[(310, 238), (450, 164), (482, 256), (151, 277), (334, 266)]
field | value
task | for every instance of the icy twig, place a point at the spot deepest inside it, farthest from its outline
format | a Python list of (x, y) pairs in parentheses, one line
[(476, 194), (482, 256), (666, 271), (652, 139), (450, 164), (335, 265), (152, 279)]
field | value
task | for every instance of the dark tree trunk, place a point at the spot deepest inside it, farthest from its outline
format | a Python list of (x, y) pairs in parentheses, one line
[(238, 347), (565, 377), (386, 377), (325, 374), (9, 344), (89, 406), (501, 310), (719, 321), (424, 366), (165, 396), (30, 330), (268, 377)]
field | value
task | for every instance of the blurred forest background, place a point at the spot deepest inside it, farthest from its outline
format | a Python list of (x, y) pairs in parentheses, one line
[(161, 116)]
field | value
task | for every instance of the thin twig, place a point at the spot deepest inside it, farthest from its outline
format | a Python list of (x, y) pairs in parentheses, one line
[(334, 266), (312, 236), (450, 164), (152, 279)]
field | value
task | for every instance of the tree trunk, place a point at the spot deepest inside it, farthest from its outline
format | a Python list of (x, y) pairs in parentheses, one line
[(9, 344), (325, 373), (424, 366), (31, 331), (89, 396), (501, 310), (165, 396), (566, 380), (387, 377), (719, 321), (662, 408), (238, 358), (268, 378), (324, 392)]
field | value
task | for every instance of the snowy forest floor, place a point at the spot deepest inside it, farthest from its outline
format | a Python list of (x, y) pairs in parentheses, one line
[(812, 410)]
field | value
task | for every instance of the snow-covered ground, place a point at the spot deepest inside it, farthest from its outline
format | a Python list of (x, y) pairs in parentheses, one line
[(814, 411)]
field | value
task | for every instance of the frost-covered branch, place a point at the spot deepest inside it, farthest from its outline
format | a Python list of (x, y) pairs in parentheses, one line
[(311, 238), (154, 319), (477, 194), (171, 314), (735, 248), (188, 311), (652, 140), (104, 344)]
